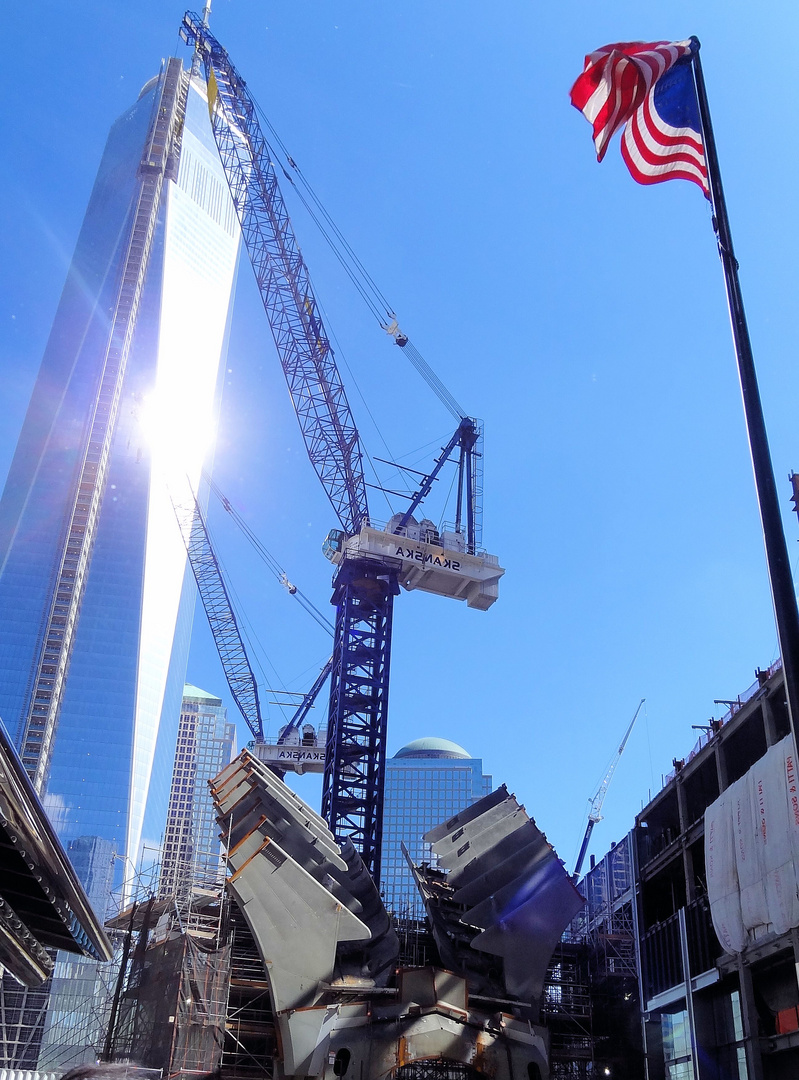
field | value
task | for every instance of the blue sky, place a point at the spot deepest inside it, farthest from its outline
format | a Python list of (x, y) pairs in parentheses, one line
[(581, 316)]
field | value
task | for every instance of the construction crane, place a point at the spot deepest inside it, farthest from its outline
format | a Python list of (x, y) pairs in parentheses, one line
[(281, 755), (595, 813), (372, 562), (299, 746), (221, 616)]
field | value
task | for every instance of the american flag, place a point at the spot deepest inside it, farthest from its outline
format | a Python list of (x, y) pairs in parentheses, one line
[(647, 86)]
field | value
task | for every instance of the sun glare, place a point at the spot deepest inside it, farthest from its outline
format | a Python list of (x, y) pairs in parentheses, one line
[(179, 430)]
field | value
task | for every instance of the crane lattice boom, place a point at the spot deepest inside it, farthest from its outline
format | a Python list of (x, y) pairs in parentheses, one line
[(315, 385), (221, 617), (595, 813)]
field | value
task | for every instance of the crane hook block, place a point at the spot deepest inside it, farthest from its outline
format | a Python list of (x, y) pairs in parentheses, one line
[(284, 581), (395, 332)]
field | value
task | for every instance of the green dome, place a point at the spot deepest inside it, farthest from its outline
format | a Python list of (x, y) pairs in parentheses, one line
[(194, 693), (432, 748)]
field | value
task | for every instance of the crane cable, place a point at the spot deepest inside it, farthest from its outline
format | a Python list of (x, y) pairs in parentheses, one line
[(269, 558), (355, 270), (340, 246), (432, 380)]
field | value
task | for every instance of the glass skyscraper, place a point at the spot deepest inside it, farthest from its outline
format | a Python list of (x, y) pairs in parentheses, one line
[(206, 743), (427, 782), (95, 599)]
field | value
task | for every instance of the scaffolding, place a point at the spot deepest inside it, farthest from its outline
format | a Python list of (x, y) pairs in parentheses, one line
[(81, 992), (62, 1023), (437, 1069), (192, 994), (417, 947), (567, 1012), (250, 1044), (169, 1008), (593, 971), (181, 1007), (609, 919)]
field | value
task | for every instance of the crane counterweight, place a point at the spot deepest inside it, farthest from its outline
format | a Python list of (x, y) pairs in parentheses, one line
[(424, 559)]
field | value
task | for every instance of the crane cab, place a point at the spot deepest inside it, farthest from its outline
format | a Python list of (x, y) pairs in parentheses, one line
[(333, 545)]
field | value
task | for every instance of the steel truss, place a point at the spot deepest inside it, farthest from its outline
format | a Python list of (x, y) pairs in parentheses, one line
[(437, 1069), (315, 385), (352, 799), (221, 618)]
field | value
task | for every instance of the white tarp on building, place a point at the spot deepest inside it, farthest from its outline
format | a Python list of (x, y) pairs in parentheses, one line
[(752, 851), (722, 878)]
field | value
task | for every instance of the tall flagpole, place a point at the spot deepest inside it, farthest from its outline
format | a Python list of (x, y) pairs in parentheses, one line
[(779, 568)]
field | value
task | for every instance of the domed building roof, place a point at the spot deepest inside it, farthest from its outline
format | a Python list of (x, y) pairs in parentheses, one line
[(432, 748)]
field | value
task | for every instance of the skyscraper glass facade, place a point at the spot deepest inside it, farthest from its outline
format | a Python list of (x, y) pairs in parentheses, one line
[(107, 785), (206, 743), (427, 782), (119, 688)]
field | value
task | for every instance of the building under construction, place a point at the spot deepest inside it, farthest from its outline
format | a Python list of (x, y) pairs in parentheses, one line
[(192, 993), (677, 964), (683, 962), (716, 884), (593, 978), (295, 968)]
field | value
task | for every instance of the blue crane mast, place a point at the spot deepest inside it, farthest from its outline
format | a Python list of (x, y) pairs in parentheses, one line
[(371, 563)]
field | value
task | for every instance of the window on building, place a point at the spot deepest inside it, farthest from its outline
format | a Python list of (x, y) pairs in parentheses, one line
[(677, 1046)]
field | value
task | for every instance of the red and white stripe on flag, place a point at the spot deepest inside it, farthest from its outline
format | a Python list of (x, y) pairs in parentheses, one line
[(615, 81), (654, 150), (643, 86)]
